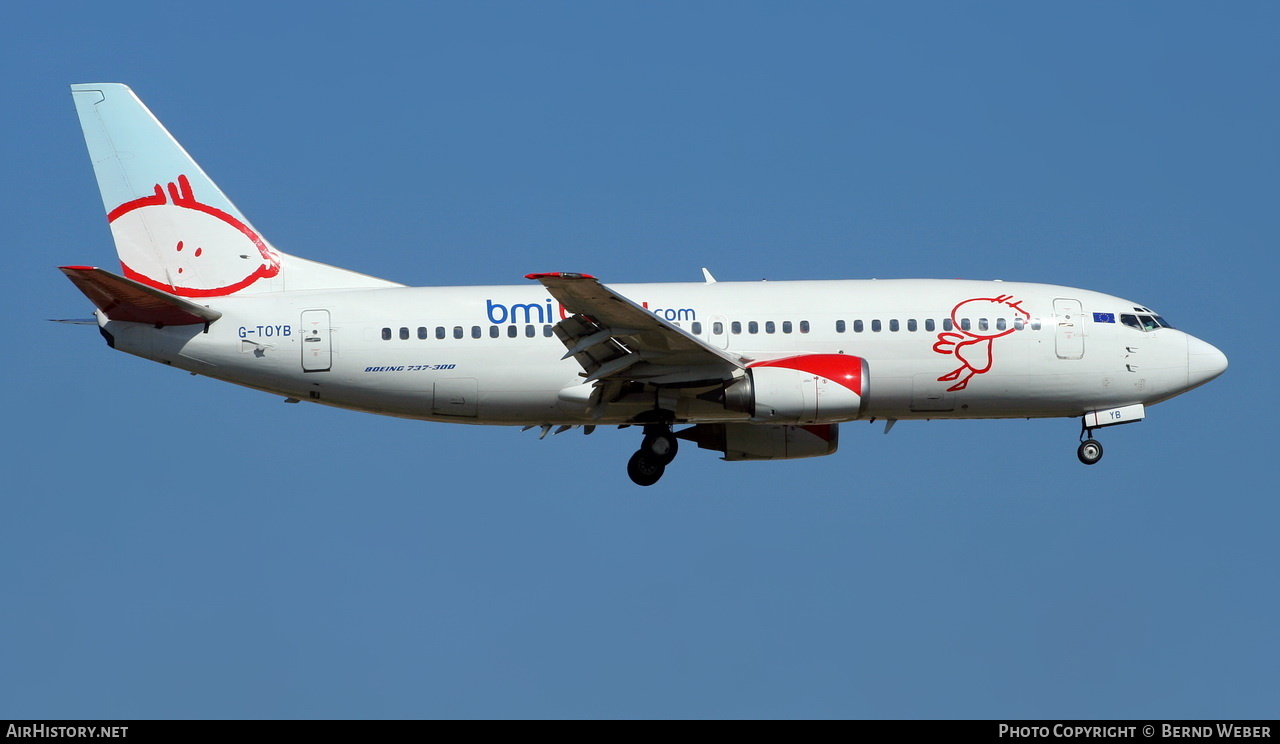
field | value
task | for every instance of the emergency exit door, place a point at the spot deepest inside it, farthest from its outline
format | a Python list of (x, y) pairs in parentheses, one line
[(718, 332)]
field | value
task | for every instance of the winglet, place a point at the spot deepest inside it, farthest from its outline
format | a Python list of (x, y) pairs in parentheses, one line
[(124, 299)]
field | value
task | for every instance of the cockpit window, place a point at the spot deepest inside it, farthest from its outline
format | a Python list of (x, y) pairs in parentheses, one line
[(1145, 323)]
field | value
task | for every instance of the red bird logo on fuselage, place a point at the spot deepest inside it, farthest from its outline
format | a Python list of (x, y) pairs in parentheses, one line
[(973, 347)]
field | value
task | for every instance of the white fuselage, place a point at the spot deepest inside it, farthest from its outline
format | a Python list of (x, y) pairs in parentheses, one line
[(486, 355), (762, 370)]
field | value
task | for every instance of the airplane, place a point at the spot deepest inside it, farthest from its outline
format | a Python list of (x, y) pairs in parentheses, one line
[(753, 370)]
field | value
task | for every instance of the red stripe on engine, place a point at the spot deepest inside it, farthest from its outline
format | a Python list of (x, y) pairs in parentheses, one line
[(839, 368)]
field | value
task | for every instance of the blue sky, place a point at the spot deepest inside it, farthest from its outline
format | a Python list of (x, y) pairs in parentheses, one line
[(177, 547)]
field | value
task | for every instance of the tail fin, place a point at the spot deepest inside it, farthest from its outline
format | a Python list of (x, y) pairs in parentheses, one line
[(174, 229)]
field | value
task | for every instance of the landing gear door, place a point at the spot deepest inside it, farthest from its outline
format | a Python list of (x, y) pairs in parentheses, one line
[(1068, 333), (317, 351)]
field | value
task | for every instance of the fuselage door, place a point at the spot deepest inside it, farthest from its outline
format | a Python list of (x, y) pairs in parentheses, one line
[(718, 332), (928, 394), (1068, 329), (317, 352), (456, 397)]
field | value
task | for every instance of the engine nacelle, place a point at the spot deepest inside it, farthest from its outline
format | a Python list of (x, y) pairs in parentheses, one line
[(765, 441), (805, 389)]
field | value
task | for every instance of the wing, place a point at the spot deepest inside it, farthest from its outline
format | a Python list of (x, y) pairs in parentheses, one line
[(616, 340)]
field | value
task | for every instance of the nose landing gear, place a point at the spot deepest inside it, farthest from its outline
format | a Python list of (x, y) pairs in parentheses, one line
[(657, 450), (1090, 450)]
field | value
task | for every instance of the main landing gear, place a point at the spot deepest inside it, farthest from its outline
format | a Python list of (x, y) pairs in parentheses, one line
[(1090, 450), (657, 450)]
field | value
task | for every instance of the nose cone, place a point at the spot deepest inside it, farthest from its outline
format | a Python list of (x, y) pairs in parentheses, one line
[(1204, 362)]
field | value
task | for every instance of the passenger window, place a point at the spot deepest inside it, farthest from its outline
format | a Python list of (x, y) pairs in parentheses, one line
[(475, 331), (911, 325), (736, 326), (769, 327), (422, 333), (928, 325), (530, 331), (546, 331), (875, 326), (404, 333), (1035, 324), (893, 325), (457, 331), (512, 331), (717, 328), (804, 326), (753, 327), (1019, 324), (1001, 324), (697, 328), (494, 332), (857, 326), (983, 325), (839, 326), (386, 334), (440, 332), (947, 325)]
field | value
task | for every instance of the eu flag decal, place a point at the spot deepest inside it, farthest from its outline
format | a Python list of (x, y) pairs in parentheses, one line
[(1104, 317)]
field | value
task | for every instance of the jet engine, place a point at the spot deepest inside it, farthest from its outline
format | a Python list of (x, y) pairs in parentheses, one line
[(805, 389)]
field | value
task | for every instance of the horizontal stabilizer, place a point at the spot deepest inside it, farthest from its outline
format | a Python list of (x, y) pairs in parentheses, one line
[(124, 299)]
